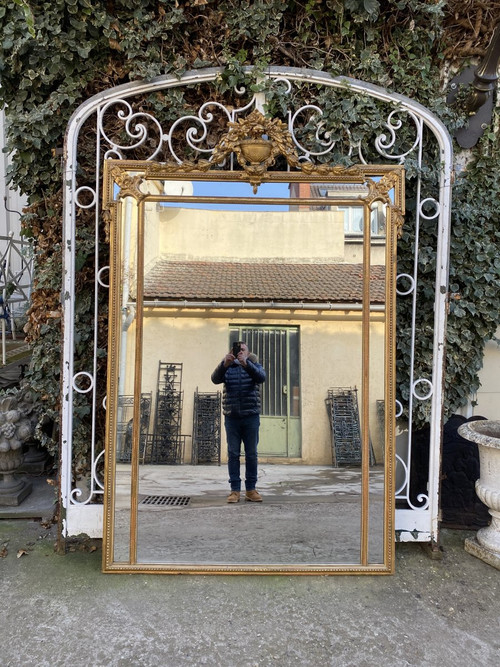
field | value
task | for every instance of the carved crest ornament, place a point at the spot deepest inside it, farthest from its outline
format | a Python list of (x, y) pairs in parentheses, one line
[(257, 141)]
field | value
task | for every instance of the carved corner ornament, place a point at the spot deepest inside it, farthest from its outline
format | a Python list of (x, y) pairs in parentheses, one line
[(129, 184), (379, 191)]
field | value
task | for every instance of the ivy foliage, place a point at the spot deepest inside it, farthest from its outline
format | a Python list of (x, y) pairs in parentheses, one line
[(57, 53)]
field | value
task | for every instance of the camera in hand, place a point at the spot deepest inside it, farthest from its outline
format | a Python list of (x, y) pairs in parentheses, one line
[(236, 349)]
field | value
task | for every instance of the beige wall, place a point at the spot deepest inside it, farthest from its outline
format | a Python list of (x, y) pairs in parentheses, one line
[(330, 356), (353, 251), (487, 398), (250, 235), (311, 236)]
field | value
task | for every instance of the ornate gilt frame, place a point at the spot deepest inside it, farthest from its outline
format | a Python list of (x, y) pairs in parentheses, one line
[(256, 142)]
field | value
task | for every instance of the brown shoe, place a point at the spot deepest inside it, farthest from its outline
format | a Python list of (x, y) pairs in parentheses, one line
[(233, 497), (253, 496)]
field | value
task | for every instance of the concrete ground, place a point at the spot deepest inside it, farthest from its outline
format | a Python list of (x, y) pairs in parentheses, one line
[(310, 514), (61, 610)]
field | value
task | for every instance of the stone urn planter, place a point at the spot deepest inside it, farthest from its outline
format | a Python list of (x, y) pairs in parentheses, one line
[(16, 428), (486, 434)]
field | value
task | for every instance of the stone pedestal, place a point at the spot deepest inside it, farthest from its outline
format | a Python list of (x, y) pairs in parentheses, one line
[(34, 461), (473, 547), (486, 433), (13, 489)]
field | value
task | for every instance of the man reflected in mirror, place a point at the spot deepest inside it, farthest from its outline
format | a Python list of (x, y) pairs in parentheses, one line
[(242, 375)]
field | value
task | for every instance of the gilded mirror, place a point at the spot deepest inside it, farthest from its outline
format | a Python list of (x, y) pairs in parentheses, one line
[(299, 264)]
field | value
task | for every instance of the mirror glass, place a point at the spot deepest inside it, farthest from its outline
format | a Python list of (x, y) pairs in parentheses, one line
[(125, 354), (299, 268)]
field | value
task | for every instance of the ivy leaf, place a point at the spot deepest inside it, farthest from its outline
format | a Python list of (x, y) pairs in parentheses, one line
[(28, 15), (372, 7), (80, 260)]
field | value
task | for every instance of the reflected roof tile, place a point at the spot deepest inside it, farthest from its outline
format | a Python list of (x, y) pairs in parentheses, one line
[(266, 281)]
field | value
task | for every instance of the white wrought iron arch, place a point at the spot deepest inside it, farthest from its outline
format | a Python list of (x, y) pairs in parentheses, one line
[(80, 513)]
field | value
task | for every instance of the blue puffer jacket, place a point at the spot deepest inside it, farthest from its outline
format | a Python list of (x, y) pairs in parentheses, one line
[(241, 393)]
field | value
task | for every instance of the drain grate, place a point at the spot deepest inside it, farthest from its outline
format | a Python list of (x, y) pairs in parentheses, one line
[(175, 501)]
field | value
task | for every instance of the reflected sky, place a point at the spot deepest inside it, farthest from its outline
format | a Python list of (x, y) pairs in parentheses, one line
[(235, 189)]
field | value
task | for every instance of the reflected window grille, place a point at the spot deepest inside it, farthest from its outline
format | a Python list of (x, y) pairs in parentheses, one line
[(343, 413), (206, 428), (125, 427), (167, 442)]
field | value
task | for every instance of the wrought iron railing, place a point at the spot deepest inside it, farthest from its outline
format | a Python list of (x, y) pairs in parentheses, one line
[(16, 274)]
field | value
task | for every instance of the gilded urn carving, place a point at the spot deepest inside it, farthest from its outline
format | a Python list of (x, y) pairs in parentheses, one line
[(256, 150)]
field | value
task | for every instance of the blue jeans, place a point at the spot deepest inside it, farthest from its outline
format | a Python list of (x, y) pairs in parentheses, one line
[(240, 429)]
